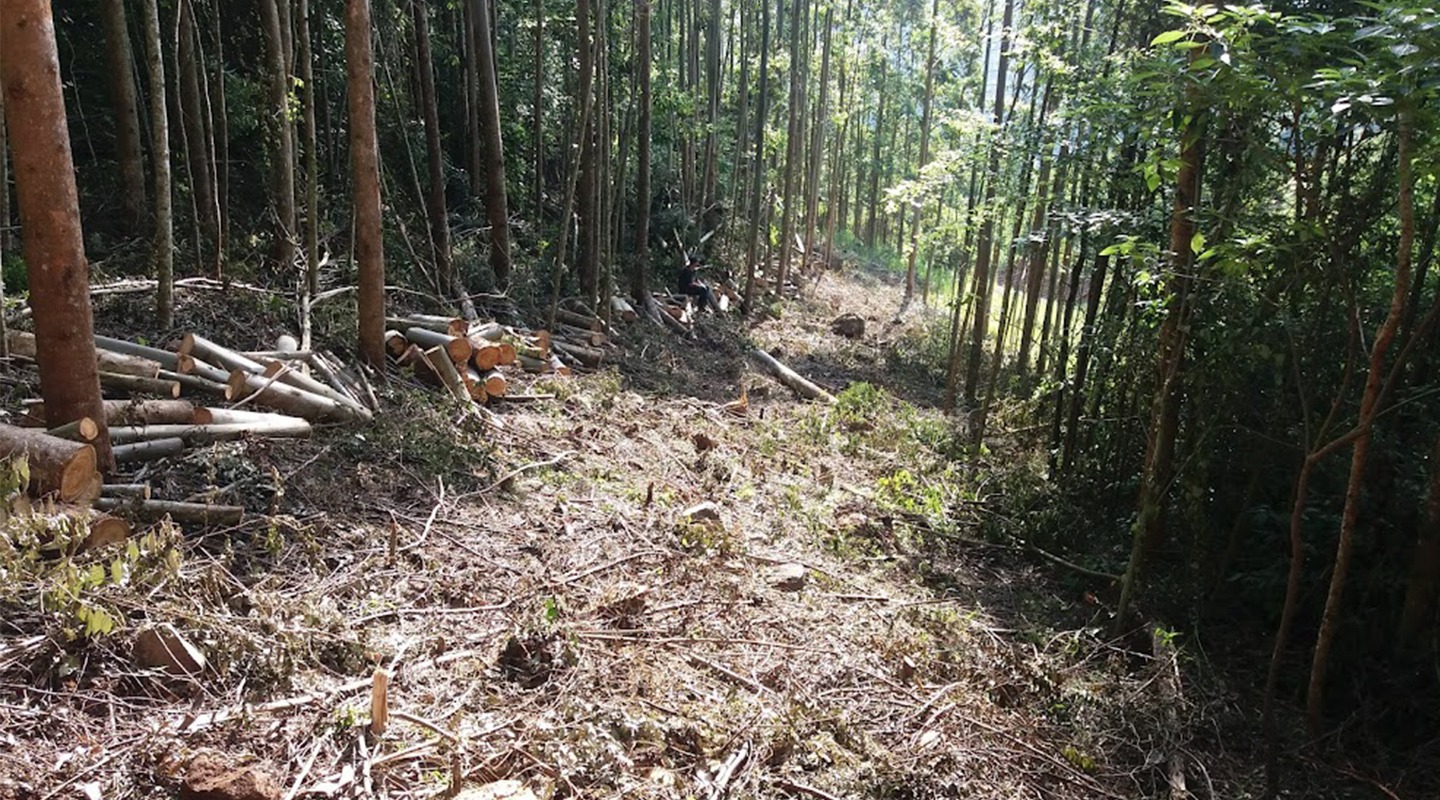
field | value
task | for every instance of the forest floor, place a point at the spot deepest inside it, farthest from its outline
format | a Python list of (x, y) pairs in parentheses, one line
[(844, 629)]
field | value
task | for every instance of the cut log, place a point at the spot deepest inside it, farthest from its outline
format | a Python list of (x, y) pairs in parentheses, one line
[(190, 365), (559, 367), (584, 321), (190, 513), (457, 349), (57, 466), (199, 347), (193, 384), (91, 492), (135, 384), (475, 385), (284, 397), (105, 530), (533, 365), (165, 358), (140, 490), (792, 379), (152, 450), (232, 416), (101, 529), (507, 354), (621, 309), (495, 383), (588, 356), (581, 336), (22, 344), (324, 368), (655, 312), (278, 426), (136, 412), (351, 378), (306, 383), (84, 429), (415, 359), (492, 331), (278, 355), (485, 356), (395, 343), (439, 358)]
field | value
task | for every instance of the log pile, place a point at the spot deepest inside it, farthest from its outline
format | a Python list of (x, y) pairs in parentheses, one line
[(471, 360)]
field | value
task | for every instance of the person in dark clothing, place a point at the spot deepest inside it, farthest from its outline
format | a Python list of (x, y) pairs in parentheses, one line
[(691, 285)]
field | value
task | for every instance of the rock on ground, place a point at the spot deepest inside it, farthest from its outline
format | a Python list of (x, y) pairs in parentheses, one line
[(212, 776), (162, 646), (788, 577), (851, 326)]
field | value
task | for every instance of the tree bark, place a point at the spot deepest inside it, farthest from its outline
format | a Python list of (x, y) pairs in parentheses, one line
[(57, 466), (164, 249), (310, 282), (639, 276), (282, 160), (54, 246), (365, 169), (127, 116), (497, 204), (197, 152), (586, 262), (435, 161), (757, 176), (222, 147), (1369, 407), (794, 152), (924, 159)]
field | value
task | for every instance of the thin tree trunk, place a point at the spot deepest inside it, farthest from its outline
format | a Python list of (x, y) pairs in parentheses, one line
[(164, 254), (817, 143), (127, 116), (310, 281), (497, 204), (192, 115), (537, 121), (639, 284), (435, 163), (758, 177), (4, 210), (365, 166), (282, 164), (924, 159), (222, 146), (54, 245), (586, 261), (793, 149), (1369, 406)]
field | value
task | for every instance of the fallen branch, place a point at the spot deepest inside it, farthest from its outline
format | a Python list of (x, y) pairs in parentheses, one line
[(155, 510), (791, 378)]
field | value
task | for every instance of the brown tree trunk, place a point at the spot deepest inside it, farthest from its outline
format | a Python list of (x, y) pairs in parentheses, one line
[(497, 204), (757, 176), (639, 277), (222, 146), (435, 161), (4, 199), (164, 250), (365, 168), (1369, 407), (310, 283), (794, 152), (54, 246), (817, 144), (537, 122), (192, 116), (282, 186), (585, 257), (924, 159), (127, 114)]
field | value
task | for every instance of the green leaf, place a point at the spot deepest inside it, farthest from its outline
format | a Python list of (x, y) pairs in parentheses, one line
[(1197, 242), (1167, 37), (1111, 250)]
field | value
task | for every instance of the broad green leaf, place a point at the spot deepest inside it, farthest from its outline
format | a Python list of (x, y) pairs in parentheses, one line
[(1167, 37), (1197, 242)]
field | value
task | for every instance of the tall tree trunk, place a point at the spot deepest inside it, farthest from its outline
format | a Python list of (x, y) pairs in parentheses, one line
[(712, 95), (1165, 407), (435, 162), (310, 281), (365, 168), (192, 114), (817, 142), (282, 164), (757, 177), (1036, 248), (639, 288), (981, 295), (586, 261), (127, 116), (1369, 407), (497, 204), (793, 149), (54, 245), (471, 66), (872, 207), (4, 205), (924, 158), (222, 145), (164, 251), (537, 122)]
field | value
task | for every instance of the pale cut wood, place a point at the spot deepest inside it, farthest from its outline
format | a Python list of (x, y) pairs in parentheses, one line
[(588, 356), (57, 466), (232, 416), (101, 528), (456, 349), (791, 378), (351, 378), (284, 397), (580, 335), (152, 450), (192, 384), (380, 701), (105, 530), (327, 371), (507, 354), (190, 365), (140, 490), (414, 358), (278, 426), (485, 356), (475, 385), (278, 355), (198, 346), (621, 309), (84, 429), (493, 331), (136, 412), (23, 345), (584, 321), (439, 359), (164, 358), (396, 343), (191, 513), (91, 492), (533, 365), (495, 383), (135, 384), (302, 381)]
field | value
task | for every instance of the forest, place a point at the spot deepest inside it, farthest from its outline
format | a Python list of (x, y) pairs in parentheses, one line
[(719, 398)]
